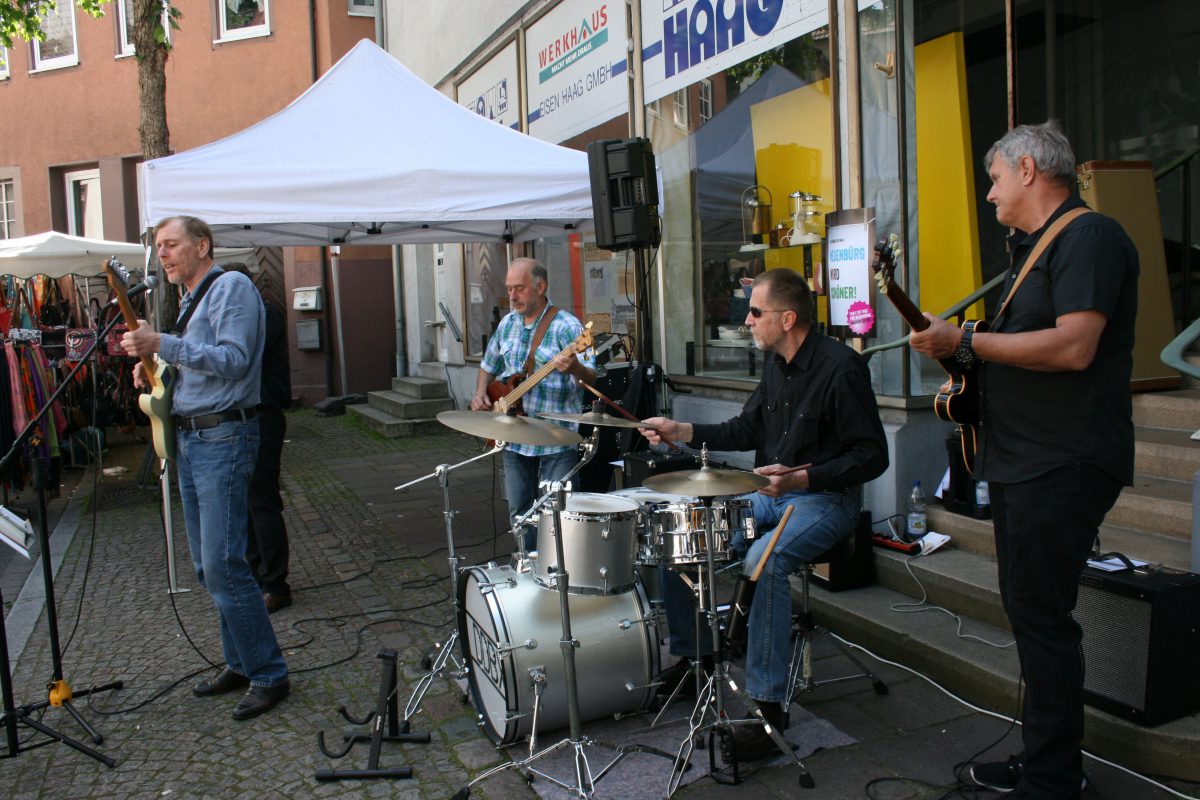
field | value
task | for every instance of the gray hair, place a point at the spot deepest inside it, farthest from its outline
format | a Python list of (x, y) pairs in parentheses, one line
[(536, 269), (1046, 144), (195, 228)]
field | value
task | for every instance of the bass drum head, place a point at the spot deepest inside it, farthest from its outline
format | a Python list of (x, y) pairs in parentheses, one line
[(510, 628)]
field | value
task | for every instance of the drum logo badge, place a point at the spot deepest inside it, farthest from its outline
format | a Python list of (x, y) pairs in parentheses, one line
[(486, 655)]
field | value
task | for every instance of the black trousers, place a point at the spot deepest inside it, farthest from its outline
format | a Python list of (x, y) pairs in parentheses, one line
[(267, 544), (1045, 529)]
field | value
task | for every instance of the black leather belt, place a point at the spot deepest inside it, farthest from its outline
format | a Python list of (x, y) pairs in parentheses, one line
[(213, 420)]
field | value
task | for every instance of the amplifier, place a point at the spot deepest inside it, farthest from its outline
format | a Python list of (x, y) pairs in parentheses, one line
[(854, 572), (643, 464), (1141, 643)]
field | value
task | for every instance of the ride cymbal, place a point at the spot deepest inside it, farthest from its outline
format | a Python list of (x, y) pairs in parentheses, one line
[(706, 482), (507, 428)]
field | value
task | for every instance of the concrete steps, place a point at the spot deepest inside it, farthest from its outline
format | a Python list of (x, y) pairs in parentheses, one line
[(1152, 520), (410, 407)]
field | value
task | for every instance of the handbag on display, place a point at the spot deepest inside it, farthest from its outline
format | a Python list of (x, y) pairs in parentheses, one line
[(79, 340), (113, 343)]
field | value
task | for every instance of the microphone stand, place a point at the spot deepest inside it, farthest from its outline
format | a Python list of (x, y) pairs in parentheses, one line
[(59, 692)]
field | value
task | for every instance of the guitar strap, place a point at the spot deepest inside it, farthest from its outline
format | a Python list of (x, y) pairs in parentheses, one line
[(209, 279), (1049, 236), (538, 335)]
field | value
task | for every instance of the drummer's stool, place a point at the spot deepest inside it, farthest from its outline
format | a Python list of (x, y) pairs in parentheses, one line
[(805, 631)]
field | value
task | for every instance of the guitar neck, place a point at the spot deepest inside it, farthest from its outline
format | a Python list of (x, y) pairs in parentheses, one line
[(523, 388), (911, 314), (127, 312)]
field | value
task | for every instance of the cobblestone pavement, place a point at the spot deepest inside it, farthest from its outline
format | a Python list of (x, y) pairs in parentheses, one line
[(369, 571)]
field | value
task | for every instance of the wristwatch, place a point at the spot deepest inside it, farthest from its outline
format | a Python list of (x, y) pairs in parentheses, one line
[(964, 355)]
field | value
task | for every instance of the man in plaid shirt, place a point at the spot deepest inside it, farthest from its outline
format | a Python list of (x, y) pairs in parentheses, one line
[(526, 465)]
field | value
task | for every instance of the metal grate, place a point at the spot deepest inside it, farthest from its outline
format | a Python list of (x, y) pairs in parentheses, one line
[(1116, 645)]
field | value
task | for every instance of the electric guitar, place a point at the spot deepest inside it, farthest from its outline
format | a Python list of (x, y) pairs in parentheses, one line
[(157, 403), (958, 402), (507, 394)]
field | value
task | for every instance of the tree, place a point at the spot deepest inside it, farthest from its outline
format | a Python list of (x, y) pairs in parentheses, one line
[(22, 19)]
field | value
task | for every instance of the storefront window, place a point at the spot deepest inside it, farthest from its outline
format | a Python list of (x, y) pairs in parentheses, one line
[(746, 185)]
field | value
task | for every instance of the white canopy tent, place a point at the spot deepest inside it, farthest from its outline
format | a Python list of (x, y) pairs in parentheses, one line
[(58, 254), (371, 154)]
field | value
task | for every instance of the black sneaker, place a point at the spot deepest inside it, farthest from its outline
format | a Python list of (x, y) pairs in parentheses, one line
[(999, 776), (1002, 776)]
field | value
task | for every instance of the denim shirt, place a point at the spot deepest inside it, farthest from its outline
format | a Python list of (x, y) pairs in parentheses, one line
[(220, 354)]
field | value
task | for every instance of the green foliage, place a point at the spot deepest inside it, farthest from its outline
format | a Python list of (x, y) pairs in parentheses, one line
[(21, 19)]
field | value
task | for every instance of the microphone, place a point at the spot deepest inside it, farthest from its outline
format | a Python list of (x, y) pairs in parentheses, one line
[(145, 286)]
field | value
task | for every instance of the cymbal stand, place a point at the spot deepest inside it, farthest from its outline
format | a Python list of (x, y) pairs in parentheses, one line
[(709, 695), (443, 654)]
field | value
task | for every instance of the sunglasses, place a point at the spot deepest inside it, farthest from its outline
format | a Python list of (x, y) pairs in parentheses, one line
[(757, 312)]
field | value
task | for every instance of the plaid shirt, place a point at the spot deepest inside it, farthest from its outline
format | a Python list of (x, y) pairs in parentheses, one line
[(557, 393)]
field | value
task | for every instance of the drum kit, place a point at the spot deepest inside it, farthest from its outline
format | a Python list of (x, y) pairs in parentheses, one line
[(583, 583)]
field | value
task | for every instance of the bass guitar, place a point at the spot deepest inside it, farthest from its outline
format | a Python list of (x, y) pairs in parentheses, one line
[(506, 394), (958, 402), (156, 404)]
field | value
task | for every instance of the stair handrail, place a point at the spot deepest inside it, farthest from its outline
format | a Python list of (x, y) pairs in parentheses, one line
[(1177, 163), (953, 311), (1172, 354)]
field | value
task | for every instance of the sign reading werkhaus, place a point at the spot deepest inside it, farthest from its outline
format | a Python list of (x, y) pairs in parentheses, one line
[(686, 40), (575, 68)]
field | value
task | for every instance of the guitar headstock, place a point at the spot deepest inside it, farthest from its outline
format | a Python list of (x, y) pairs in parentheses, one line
[(887, 258), (585, 340), (117, 275)]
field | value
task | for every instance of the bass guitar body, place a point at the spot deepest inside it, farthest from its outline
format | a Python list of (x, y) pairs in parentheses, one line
[(959, 402), (499, 389)]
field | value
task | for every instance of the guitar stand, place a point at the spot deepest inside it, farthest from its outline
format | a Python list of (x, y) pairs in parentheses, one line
[(387, 709)]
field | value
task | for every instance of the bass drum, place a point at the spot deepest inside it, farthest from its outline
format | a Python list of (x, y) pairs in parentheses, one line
[(510, 630)]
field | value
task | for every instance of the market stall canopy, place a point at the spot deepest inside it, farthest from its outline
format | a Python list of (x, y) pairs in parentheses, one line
[(57, 254), (371, 154)]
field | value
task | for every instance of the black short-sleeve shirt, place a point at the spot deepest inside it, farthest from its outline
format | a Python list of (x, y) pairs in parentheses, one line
[(1033, 422)]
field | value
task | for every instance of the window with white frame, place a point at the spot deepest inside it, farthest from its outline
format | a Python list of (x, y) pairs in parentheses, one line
[(679, 109), (243, 19), (85, 216), (125, 18), (704, 96), (3, 63), (654, 107), (60, 49), (361, 8), (8, 209)]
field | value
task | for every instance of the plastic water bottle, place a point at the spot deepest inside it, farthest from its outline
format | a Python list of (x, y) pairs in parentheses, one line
[(917, 522)]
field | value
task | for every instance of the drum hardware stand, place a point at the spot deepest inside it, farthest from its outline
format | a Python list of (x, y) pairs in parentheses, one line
[(709, 694), (386, 710), (443, 652), (585, 780)]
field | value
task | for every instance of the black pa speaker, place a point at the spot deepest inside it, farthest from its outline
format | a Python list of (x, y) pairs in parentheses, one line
[(1141, 643), (624, 194)]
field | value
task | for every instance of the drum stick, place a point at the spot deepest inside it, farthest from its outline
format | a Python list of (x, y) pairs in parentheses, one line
[(625, 413), (762, 562)]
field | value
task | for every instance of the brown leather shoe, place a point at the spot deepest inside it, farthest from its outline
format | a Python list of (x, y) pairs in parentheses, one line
[(260, 699), (277, 600), (226, 681)]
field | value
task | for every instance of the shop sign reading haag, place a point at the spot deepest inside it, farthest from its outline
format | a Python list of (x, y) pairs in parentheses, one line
[(686, 40), (574, 55)]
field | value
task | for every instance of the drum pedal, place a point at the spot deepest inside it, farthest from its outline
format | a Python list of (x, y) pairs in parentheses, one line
[(720, 739)]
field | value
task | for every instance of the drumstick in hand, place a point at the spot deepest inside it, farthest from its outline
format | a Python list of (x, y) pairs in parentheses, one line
[(762, 562), (626, 414)]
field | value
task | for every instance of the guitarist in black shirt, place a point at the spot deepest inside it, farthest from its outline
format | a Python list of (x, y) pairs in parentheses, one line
[(1056, 432)]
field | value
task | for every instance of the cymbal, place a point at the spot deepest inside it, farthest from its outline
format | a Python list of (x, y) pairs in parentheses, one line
[(506, 428), (598, 418), (706, 482)]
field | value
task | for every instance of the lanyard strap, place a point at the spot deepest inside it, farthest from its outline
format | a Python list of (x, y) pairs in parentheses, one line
[(1049, 236)]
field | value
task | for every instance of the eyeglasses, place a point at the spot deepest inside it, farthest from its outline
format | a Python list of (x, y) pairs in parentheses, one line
[(757, 312)]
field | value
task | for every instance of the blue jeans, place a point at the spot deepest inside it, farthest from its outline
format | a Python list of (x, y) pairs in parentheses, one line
[(819, 521), (215, 465), (521, 477)]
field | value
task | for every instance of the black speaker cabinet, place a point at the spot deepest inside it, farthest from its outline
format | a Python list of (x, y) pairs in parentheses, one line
[(624, 193), (1141, 643), (854, 572)]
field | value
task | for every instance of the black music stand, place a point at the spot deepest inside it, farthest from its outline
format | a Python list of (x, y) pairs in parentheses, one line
[(59, 691)]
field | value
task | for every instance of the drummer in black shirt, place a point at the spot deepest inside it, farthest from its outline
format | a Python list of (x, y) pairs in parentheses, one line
[(814, 408)]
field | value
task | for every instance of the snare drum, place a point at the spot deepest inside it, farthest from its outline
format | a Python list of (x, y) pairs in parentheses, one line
[(600, 540), (510, 630), (677, 531)]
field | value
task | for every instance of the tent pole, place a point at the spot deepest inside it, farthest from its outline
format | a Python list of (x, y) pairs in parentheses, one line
[(398, 283), (336, 251)]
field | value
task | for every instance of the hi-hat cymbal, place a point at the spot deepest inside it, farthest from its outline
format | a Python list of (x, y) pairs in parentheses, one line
[(706, 482), (598, 418), (506, 428)]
